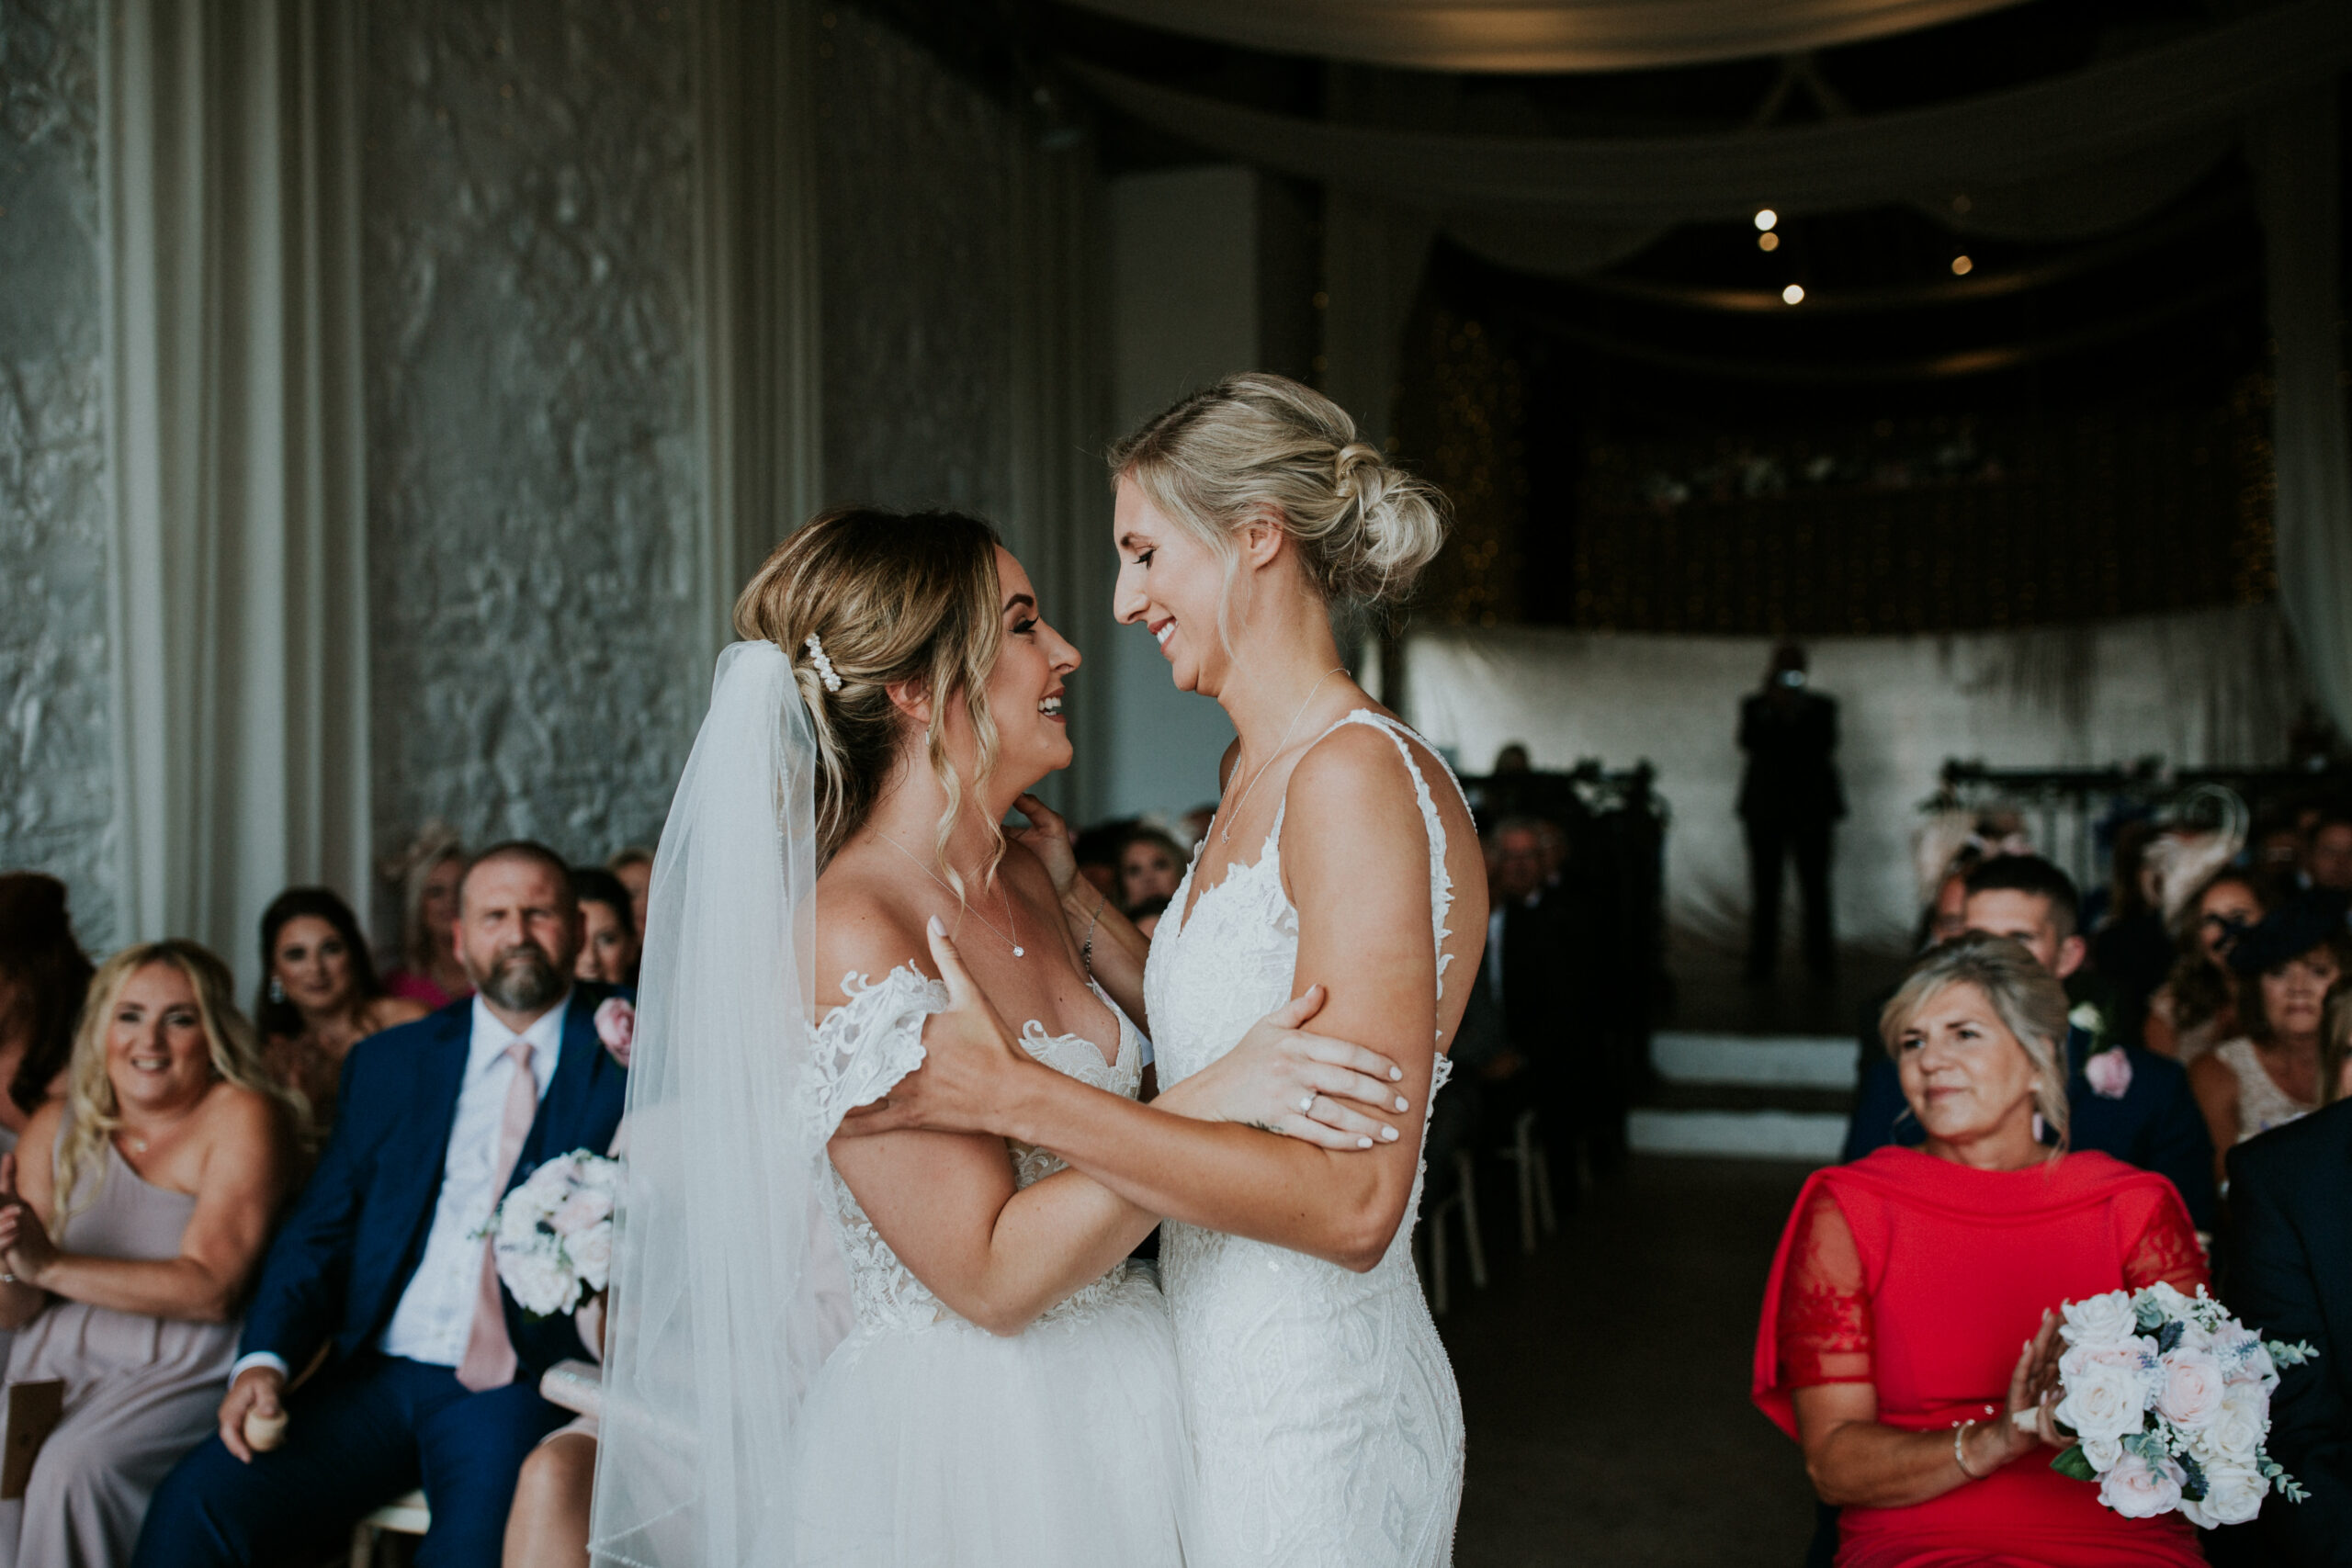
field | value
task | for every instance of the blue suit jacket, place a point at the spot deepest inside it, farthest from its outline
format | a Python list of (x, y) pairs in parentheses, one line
[(357, 1232), (2156, 1126), (2289, 1274)]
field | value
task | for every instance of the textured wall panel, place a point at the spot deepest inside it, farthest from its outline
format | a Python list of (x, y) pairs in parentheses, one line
[(918, 322), (56, 766), (528, 191)]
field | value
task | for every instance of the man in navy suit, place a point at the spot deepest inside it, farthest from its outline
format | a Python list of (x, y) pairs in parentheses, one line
[(2152, 1122), (2289, 1275), (431, 1372)]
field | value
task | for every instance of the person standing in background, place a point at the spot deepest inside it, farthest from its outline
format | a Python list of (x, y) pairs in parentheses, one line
[(1789, 800)]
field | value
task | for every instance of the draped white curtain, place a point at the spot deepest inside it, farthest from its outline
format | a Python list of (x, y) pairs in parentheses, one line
[(1540, 35), (2201, 688), (234, 434)]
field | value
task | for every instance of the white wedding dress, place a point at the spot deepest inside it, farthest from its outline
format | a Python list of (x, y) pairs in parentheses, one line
[(928, 1440), (1323, 1413)]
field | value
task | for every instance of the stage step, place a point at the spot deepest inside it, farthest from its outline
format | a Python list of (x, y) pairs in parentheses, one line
[(1747, 1096)]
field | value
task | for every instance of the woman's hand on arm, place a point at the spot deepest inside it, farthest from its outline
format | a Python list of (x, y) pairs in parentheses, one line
[(1282, 1079), (246, 1167), (1855, 1460)]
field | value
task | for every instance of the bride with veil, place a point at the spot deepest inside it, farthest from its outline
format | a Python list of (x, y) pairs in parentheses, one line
[(914, 1347)]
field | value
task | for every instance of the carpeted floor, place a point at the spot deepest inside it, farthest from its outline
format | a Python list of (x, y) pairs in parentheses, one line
[(1604, 1382)]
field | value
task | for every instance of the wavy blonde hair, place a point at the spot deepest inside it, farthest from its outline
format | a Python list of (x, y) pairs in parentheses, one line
[(1262, 445), (94, 1114), (2028, 1001), (890, 597)]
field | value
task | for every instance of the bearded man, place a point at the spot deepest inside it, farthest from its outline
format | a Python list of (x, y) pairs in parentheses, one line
[(418, 1368)]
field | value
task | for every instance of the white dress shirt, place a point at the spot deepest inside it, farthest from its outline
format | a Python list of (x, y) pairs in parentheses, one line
[(435, 1314)]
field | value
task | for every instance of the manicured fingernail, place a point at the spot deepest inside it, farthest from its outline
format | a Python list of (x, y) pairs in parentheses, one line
[(1396, 1073), (1387, 1135), (1403, 1104), (1364, 1143), (935, 927)]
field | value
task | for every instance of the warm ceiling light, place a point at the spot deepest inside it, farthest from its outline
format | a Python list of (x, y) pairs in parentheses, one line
[(1961, 266), (1792, 294), (1766, 219), (1767, 242)]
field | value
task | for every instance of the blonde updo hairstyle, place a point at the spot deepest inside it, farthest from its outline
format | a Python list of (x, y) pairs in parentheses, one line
[(2030, 1004), (889, 597), (1262, 445), (95, 1114)]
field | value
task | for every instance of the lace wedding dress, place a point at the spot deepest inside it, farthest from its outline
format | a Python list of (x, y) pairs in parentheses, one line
[(1323, 1413), (928, 1440)]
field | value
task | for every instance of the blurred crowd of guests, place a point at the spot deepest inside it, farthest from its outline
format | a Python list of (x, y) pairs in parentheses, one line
[(182, 1205), (2065, 1097)]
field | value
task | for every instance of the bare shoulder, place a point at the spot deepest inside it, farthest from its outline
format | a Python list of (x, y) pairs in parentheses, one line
[(234, 1114), (390, 1012), (1357, 769), (40, 1134), (2211, 1075), (865, 927)]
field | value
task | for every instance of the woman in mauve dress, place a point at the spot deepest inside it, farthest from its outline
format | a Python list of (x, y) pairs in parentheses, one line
[(132, 1218)]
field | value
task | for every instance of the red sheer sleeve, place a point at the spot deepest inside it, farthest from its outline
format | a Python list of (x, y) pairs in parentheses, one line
[(1823, 1330), (2165, 1247)]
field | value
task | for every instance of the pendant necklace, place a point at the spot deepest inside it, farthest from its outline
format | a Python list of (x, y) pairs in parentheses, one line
[(1018, 951), (1234, 814)]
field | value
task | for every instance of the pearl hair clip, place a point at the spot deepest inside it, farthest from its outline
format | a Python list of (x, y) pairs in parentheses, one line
[(824, 665)]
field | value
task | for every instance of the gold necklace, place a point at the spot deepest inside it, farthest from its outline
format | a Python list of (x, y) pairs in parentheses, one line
[(1234, 814), (1018, 951)]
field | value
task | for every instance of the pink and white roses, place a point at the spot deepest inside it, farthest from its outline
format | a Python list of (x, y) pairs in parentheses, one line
[(2170, 1398), (617, 1027), (552, 1235)]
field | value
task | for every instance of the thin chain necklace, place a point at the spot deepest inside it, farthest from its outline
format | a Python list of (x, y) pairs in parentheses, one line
[(1234, 814), (1018, 951)]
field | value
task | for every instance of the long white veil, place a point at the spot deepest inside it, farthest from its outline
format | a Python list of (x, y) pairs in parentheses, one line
[(729, 1290)]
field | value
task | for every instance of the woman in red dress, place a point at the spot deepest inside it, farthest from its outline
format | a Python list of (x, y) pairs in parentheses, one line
[(1907, 1282)]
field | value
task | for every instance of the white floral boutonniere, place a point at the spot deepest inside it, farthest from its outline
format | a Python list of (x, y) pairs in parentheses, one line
[(2105, 1062)]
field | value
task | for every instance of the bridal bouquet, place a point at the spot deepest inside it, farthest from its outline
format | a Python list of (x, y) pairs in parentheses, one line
[(2170, 1398), (552, 1235)]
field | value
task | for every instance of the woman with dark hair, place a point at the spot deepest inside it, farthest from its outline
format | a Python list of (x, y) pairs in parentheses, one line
[(2270, 1075), (2197, 1008), (43, 975), (609, 942), (320, 995), (1151, 865)]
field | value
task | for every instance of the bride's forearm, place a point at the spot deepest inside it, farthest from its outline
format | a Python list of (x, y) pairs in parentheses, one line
[(1342, 1207), (1053, 1238), (1115, 950)]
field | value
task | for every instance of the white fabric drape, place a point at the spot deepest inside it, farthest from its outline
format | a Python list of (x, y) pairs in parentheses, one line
[(2294, 153), (1541, 35), (234, 435), (2201, 688)]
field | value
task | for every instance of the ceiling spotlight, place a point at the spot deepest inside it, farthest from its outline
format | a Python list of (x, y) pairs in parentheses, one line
[(1792, 294), (1766, 219), (1767, 242), (1962, 266)]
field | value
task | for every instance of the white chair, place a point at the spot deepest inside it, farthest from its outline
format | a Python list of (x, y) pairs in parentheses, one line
[(1525, 1150), (1462, 1201), (576, 1386)]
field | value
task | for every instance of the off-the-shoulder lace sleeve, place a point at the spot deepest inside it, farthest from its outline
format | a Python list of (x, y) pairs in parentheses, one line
[(868, 1044), (1825, 1323), (2165, 1248)]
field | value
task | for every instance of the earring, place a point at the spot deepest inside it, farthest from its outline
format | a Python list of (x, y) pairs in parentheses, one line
[(276, 989)]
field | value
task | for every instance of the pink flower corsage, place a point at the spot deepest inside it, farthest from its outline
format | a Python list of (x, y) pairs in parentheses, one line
[(2109, 1073), (617, 1027)]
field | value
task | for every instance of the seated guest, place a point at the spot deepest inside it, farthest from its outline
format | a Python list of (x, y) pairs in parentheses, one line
[(1906, 1283), (43, 977), (609, 947), (633, 866), (2197, 1007), (2137, 1107), (2335, 1049), (1531, 951), (1151, 865), (131, 1220), (431, 1371), (2290, 1257), (2270, 1075), (427, 873), (319, 995), (1096, 849), (2130, 950), (2327, 852)]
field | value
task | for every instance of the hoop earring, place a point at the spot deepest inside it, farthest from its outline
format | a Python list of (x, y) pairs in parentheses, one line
[(276, 989)]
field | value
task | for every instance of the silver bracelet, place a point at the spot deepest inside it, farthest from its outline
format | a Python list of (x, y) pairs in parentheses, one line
[(1960, 1431), (1086, 948)]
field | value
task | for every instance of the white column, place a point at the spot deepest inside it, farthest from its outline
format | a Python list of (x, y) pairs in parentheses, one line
[(235, 450)]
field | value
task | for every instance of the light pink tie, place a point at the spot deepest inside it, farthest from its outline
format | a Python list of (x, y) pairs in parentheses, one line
[(490, 1355)]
